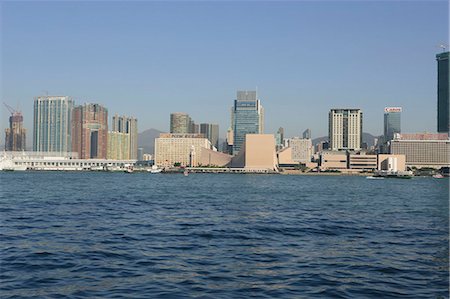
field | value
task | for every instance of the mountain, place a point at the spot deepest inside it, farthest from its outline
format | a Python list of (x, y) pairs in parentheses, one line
[(146, 140), (366, 138)]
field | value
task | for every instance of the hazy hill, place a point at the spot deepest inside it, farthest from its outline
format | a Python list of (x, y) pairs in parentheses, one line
[(146, 140), (367, 138)]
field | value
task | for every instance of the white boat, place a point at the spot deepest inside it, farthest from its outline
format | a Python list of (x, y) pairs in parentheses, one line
[(375, 178), (186, 172), (394, 174), (438, 176), (154, 169), (129, 169)]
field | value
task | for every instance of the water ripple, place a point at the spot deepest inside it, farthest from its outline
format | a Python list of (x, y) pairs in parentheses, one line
[(88, 235)]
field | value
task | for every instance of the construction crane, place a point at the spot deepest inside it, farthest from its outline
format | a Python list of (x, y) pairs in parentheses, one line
[(13, 111)]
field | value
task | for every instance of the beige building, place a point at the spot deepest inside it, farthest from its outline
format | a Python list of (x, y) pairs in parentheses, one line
[(257, 153), (128, 125), (147, 157), (285, 156), (391, 162), (214, 158), (362, 161), (333, 160), (118, 146), (302, 149), (422, 150), (179, 148), (345, 129)]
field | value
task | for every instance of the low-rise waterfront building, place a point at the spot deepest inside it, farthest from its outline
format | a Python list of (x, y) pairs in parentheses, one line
[(175, 149), (213, 158), (423, 149), (391, 162), (362, 162), (67, 161), (335, 160)]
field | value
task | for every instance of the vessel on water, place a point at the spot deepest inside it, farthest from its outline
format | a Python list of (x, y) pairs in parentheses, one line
[(438, 176), (393, 174), (129, 169), (375, 178), (154, 169)]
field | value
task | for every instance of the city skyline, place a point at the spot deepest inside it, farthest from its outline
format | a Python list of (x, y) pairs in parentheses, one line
[(359, 75)]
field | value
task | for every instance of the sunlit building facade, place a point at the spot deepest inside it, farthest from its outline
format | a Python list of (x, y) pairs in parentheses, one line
[(52, 124), (90, 131), (345, 129)]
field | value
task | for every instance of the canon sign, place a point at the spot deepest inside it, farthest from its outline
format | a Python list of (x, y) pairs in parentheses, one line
[(392, 109)]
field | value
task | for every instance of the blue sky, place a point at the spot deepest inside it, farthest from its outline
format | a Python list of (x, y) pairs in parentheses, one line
[(148, 59)]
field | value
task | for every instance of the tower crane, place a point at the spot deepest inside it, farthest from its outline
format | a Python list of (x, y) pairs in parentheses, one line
[(11, 109)]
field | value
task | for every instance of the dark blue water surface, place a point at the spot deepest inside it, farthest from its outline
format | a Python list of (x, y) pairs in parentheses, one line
[(222, 236)]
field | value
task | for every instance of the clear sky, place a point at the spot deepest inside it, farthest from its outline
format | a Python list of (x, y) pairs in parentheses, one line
[(148, 59)]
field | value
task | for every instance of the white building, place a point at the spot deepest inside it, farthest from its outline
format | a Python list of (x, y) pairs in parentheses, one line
[(345, 129)]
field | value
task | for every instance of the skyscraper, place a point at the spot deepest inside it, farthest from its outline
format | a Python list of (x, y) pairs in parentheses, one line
[(181, 123), (15, 135), (307, 134), (392, 122), (345, 129), (90, 131), (443, 82), (247, 117), (279, 138), (128, 125), (52, 124), (211, 132)]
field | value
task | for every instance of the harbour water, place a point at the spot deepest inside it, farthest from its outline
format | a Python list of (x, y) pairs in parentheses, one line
[(115, 235)]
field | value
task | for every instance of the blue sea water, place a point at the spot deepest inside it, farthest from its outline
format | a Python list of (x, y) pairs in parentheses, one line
[(116, 235)]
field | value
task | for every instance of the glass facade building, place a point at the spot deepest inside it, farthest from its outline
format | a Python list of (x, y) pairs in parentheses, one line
[(247, 117), (443, 82), (52, 124), (392, 122)]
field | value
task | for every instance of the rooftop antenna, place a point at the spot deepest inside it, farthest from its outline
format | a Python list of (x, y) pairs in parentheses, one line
[(443, 47)]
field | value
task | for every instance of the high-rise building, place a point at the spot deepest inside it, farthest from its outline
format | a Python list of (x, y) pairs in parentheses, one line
[(279, 138), (90, 131), (307, 134), (211, 131), (128, 125), (15, 139), (392, 122), (345, 129), (118, 146), (181, 123), (443, 92), (247, 117), (52, 124)]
